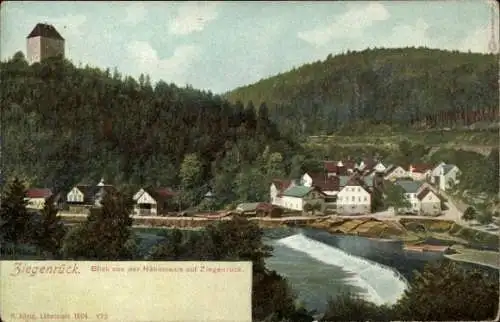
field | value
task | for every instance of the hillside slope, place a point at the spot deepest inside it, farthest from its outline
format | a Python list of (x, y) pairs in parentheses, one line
[(62, 125), (421, 87)]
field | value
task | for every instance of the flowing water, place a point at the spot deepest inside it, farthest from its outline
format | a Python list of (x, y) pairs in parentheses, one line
[(320, 265)]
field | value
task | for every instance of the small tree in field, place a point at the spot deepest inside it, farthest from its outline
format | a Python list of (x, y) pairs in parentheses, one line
[(469, 214)]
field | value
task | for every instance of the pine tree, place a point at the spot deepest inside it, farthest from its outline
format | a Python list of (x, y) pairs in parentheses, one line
[(14, 216), (50, 232), (107, 234)]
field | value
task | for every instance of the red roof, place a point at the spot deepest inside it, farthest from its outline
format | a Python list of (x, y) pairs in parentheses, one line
[(38, 193), (330, 166), (165, 192), (264, 206), (282, 184), (421, 168), (325, 183)]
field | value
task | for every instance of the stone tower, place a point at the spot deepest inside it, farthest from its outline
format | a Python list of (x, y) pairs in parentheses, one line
[(43, 42)]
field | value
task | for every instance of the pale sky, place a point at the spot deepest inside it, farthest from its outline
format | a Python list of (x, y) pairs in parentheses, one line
[(219, 46)]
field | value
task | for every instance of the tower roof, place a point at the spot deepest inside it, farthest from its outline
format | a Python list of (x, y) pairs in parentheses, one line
[(45, 30)]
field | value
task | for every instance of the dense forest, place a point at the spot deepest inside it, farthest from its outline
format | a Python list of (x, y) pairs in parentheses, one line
[(63, 125), (424, 88)]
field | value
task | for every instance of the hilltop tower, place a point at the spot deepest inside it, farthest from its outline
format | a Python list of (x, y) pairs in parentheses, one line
[(44, 41)]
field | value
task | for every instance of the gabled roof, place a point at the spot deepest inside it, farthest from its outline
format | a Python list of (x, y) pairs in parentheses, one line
[(298, 191), (421, 195), (45, 30), (248, 206), (409, 186), (281, 184), (447, 168), (38, 193), (330, 166), (88, 191), (421, 168), (159, 194), (325, 183)]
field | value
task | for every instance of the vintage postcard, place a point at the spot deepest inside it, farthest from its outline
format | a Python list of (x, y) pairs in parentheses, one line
[(247, 161)]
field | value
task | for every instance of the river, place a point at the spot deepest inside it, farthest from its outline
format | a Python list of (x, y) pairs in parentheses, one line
[(319, 265)]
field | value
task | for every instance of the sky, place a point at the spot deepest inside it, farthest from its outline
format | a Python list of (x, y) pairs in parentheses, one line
[(219, 46)]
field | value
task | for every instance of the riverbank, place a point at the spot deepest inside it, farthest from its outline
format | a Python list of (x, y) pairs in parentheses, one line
[(474, 256), (411, 231)]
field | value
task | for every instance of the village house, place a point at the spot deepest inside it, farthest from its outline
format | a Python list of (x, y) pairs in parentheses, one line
[(420, 172), (36, 198), (82, 197), (411, 191), (371, 164), (395, 172), (354, 198), (444, 176), (339, 168), (277, 187), (430, 203), (296, 197), (153, 202)]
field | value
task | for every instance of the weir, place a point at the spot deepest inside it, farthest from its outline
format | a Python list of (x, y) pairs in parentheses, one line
[(383, 284)]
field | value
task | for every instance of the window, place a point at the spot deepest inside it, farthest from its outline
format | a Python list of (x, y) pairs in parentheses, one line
[(353, 198), (359, 189), (359, 199), (366, 198)]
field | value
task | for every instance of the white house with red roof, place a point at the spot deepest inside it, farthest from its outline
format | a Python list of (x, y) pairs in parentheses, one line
[(36, 197), (278, 186), (420, 172)]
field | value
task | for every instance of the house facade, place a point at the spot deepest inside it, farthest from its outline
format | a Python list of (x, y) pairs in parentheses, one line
[(420, 172), (152, 202), (444, 176), (82, 197), (394, 173), (411, 193), (294, 198), (44, 42), (37, 197), (353, 199), (276, 189), (430, 203)]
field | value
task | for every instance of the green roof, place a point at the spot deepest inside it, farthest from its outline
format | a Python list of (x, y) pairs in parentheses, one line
[(368, 180), (409, 186), (251, 206), (297, 191)]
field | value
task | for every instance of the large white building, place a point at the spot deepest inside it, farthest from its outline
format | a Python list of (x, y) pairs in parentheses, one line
[(44, 41), (353, 199)]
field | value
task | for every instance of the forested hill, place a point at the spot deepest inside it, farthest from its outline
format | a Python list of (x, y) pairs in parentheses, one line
[(417, 86), (62, 125)]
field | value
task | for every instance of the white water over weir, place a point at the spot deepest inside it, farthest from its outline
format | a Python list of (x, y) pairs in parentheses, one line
[(383, 284)]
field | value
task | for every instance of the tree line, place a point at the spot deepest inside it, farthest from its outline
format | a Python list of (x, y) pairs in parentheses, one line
[(441, 292), (404, 87), (63, 125)]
